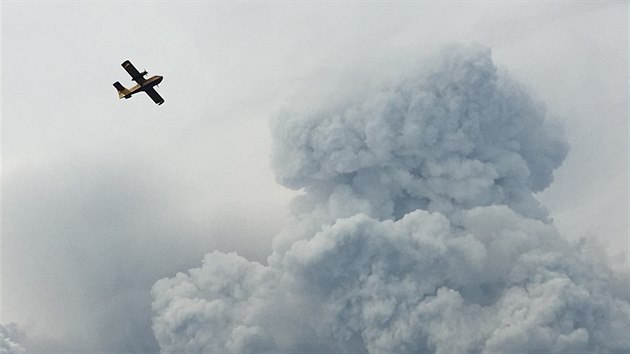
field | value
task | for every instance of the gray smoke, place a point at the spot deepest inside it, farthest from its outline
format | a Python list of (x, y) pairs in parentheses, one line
[(9, 337), (417, 232)]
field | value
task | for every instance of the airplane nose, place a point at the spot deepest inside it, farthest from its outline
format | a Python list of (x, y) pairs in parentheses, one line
[(159, 79)]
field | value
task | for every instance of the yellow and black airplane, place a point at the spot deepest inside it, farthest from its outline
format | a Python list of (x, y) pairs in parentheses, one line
[(143, 84)]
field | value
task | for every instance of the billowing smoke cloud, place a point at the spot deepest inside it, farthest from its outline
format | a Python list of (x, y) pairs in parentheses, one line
[(9, 336), (417, 232)]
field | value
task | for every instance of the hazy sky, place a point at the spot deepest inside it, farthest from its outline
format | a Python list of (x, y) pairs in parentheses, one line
[(101, 197)]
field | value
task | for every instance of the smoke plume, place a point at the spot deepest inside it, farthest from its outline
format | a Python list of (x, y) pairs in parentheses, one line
[(9, 335), (417, 232)]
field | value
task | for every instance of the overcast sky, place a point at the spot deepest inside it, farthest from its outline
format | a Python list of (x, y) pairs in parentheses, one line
[(101, 197)]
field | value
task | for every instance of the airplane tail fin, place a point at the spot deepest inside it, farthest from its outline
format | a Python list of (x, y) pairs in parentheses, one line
[(122, 91)]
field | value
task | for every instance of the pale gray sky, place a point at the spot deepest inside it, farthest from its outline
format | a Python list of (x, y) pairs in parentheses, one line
[(102, 197)]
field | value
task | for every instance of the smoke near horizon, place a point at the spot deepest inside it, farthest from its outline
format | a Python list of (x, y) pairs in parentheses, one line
[(9, 339), (417, 232)]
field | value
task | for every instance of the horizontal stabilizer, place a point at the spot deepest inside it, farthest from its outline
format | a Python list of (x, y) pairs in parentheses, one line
[(118, 86), (122, 91)]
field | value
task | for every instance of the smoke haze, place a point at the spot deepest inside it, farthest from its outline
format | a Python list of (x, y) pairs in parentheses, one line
[(417, 232)]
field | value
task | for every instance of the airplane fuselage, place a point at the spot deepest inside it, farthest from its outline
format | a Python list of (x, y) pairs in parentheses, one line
[(148, 83)]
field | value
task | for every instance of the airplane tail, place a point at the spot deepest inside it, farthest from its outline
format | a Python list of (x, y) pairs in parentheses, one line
[(122, 91)]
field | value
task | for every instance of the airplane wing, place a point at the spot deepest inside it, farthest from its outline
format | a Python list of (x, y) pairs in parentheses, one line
[(154, 95), (135, 74)]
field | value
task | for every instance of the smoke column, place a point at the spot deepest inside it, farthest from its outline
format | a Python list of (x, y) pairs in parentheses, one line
[(8, 336), (417, 232)]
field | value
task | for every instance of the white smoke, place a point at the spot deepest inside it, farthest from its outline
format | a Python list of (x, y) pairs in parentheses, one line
[(418, 232), (9, 337)]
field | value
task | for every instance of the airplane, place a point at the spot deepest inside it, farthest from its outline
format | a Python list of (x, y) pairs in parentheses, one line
[(143, 84)]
